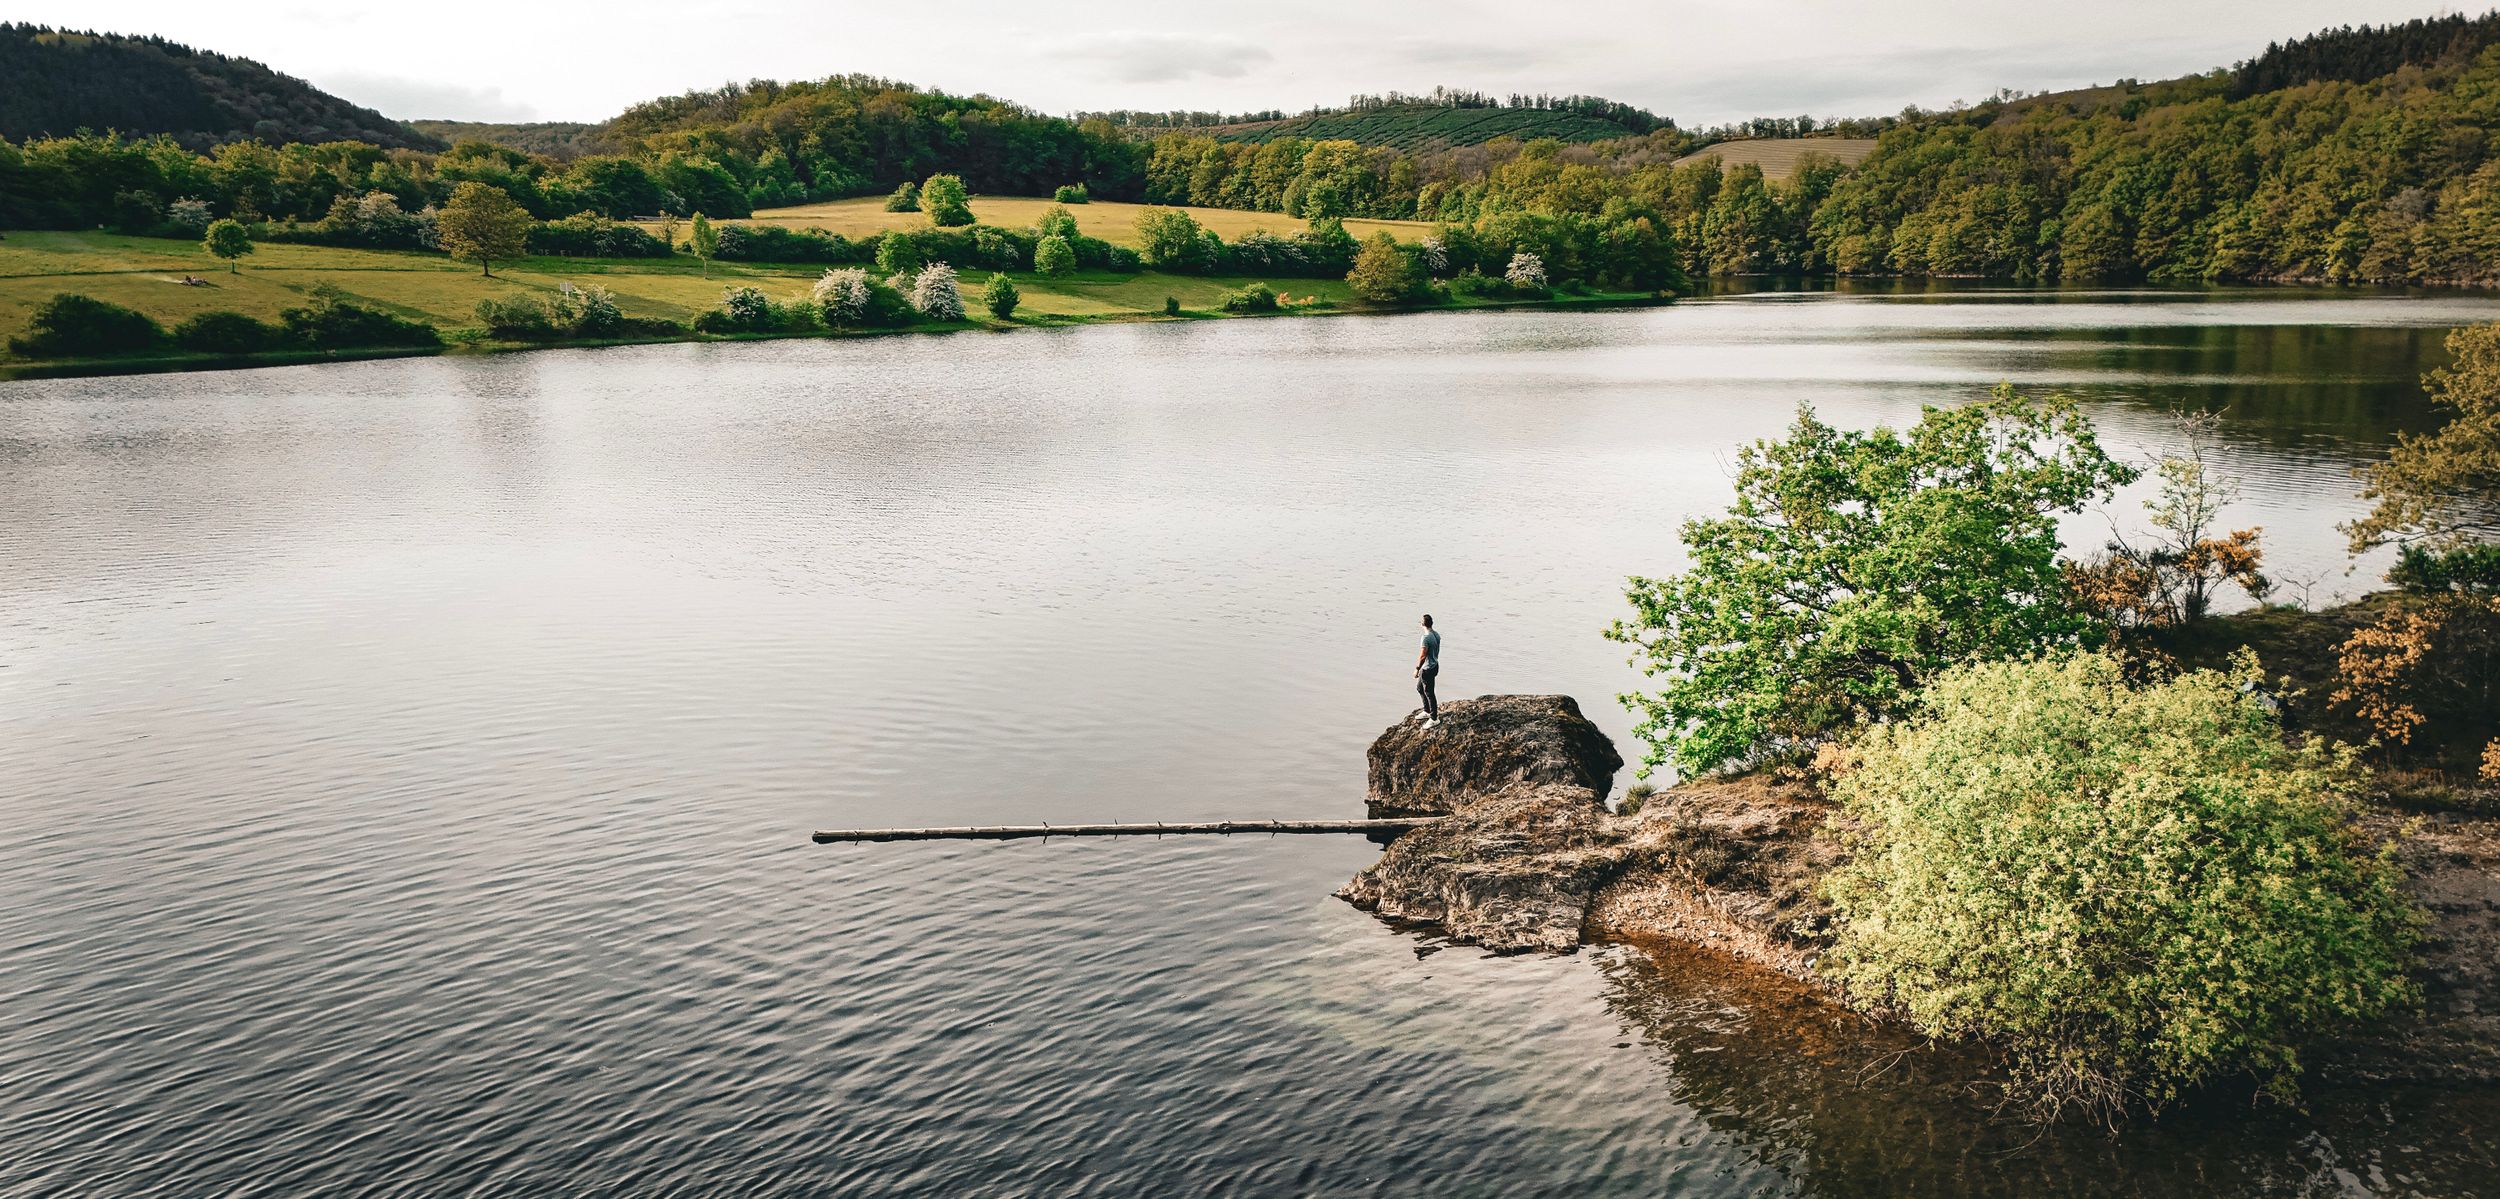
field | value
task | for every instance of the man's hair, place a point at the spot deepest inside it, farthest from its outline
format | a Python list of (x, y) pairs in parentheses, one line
[(1427, 620)]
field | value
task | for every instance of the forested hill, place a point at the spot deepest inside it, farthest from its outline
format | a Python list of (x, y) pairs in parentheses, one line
[(57, 82), (1416, 126), (2351, 55), (560, 140)]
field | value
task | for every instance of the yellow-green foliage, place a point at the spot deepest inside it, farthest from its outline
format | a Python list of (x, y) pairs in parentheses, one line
[(2131, 889)]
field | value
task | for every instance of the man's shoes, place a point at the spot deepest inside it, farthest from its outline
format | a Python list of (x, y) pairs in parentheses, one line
[(1430, 721)]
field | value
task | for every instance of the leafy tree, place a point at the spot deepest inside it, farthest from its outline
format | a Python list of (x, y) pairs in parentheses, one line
[(906, 198), (1853, 567), (1386, 273), (1053, 257), (900, 253), (2131, 890), (943, 197), (228, 239), (704, 240), (1070, 193), (2443, 488), (1056, 222), (1170, 239), (75, 326), (482, 224), (1000, 296)]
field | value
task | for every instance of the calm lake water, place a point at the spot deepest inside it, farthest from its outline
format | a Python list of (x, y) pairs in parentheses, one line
[(407, 766)]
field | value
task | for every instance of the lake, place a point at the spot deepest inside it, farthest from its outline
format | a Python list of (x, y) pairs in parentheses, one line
[(408, 765)]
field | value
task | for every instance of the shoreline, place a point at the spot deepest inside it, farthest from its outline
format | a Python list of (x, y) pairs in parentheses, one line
[(13, 368)]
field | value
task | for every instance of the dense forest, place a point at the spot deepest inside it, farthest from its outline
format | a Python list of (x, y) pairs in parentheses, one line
[(2379, 163), (60, 81)]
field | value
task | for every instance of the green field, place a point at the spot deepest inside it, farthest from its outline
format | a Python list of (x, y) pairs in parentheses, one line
[(1417, 126), (146, 274), (1109, 220)]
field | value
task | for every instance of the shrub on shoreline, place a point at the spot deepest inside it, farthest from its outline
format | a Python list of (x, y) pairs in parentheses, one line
[(2132, 890), (70, 325)]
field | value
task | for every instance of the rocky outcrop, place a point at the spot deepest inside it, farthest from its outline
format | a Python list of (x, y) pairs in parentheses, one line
[(1512, 871), (1729, 865), (1484, 745), (1529, 858)]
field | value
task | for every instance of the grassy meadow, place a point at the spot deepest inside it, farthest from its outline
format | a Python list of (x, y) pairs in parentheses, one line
[(1779, 156)]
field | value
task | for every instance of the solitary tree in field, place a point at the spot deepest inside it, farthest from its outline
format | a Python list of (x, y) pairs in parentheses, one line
[(481, 224), (704, 240), (228, 239), (943, 197), (906, 198)]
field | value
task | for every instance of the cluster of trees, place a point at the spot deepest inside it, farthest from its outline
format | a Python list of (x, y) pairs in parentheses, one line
[(2119, 870), (2393, 179), (75, 326), (1630, 118), (2354, 55)]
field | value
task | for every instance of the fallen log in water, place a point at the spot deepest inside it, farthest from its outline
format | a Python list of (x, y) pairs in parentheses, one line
[(1011, 832)]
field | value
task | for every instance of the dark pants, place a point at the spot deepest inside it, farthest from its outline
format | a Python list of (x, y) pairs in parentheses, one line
[(1423, 687)]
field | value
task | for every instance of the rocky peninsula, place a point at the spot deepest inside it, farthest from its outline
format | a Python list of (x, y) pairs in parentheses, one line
[(1531, 858)]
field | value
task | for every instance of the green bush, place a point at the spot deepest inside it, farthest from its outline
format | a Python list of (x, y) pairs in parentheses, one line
[(332, 322), (1070, 193), (1001, 296), (1253, 297), (943, 197), (227, 333), (1053, 257), (906, 198), (76, 326), (2131, 889), (1171, 305)]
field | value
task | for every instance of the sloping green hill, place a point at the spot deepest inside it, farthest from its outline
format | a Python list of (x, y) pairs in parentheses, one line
[(564, 140), (57, 82), (1416, 126)]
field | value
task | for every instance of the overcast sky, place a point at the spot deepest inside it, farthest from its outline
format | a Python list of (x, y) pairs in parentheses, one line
[(1699, 61)]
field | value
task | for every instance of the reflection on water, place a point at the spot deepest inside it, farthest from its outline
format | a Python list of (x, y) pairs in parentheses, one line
[(1840, 1107), (408, 764)]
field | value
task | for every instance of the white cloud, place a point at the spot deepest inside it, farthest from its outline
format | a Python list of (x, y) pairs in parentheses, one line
[(418, 99), (1135, 57)]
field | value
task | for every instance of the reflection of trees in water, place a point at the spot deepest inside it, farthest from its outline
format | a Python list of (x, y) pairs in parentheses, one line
[(1849, 1109), (2323, 386)]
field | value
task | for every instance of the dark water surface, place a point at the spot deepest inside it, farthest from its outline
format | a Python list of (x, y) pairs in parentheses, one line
[(407, 766)]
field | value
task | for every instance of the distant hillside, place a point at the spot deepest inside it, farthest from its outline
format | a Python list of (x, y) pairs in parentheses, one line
[(1416, 126), (561, 140), (2353, 55), (1778, 156), (57, 82)]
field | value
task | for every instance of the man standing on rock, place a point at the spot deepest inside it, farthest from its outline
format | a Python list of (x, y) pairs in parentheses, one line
[(1428, 668)]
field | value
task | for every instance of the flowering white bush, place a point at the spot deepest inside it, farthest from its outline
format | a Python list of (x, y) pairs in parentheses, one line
[(1527, 272), (597, 313), (189, 213), (1436, 256), (843, 294), (934, 293), (748, 307)]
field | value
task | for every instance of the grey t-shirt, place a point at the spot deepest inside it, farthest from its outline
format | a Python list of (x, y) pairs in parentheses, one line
[(1432, 649)]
